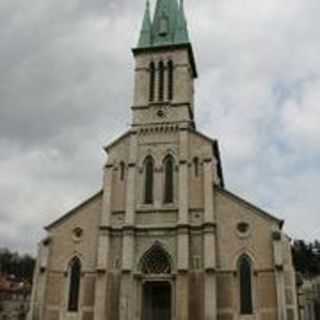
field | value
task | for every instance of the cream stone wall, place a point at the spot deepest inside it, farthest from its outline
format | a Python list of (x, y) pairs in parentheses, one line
[(183, 76), (257, 244), (64, 246)]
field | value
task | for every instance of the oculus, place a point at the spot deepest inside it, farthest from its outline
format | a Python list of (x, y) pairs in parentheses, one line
[(77, 234)]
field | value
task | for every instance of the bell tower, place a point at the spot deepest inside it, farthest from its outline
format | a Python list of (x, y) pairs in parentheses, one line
[(165, 68)]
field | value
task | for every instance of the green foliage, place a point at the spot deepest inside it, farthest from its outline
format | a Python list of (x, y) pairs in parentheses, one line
[(21, 266), (306, 257)]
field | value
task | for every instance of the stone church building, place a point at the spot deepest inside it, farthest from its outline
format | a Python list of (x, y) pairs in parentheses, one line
[(164, 239)]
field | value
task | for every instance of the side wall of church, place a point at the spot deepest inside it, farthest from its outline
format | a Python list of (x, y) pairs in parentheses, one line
[(256, 242), (63, 245)]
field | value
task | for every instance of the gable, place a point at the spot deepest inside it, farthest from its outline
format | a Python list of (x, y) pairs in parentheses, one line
[(78, 209), (249, 206), (232, 213)]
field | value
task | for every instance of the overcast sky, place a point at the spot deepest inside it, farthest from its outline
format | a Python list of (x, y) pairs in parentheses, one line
[(66, 82)]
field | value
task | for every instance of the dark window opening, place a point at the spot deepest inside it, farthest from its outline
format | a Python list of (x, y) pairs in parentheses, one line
[(170, 80), (168, 182), (161, 81), (246, 305), (148, 192), (74, 286), (196, 166), (152, 81), (122, 170)]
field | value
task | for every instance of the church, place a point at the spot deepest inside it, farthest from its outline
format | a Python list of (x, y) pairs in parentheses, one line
[(164, 239)]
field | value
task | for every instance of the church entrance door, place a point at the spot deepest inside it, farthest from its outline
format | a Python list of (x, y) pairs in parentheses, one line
[(157, 301)]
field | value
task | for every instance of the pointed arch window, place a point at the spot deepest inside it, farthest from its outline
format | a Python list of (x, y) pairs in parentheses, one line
[(245, 277), (168, 179), (161, 81), (148, 183), (170, 80), (156, 261), (152, 81), (74, 285)]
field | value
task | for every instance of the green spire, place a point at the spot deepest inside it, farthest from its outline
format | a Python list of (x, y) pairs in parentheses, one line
[(181, 35), (145, 35), (169, 25), (164, 22)]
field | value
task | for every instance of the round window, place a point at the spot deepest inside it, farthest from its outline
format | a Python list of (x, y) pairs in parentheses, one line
[(243, 229), (77, 233)]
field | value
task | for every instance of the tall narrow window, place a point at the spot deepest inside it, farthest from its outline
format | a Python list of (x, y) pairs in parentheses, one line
[(170, 80), (245, 273), (196, 166), (148, 171), (152, 81), (122, 170), (168, 180), (161, 81), (74, 285)]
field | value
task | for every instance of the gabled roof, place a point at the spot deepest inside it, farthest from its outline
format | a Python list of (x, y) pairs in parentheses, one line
[(250, 205), (113, 143), (73, 211)]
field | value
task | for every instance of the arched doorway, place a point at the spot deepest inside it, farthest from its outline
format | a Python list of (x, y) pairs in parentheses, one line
[(157, 300), (157, 285)]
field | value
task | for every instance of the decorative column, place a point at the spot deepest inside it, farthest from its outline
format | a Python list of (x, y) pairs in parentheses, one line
[(209, 242), (126, 299), (182, 290), (100, 312), (279, 274)]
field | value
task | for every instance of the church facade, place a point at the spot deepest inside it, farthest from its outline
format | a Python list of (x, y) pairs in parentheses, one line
[(164, 239)]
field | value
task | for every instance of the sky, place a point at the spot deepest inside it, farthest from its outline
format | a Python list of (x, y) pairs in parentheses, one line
[(66, 87)]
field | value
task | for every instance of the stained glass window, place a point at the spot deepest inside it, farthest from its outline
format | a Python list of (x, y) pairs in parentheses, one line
[(74, 285), (156, 261), (245, 271)]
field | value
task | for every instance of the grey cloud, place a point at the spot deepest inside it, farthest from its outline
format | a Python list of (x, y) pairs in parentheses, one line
[(66, 82)]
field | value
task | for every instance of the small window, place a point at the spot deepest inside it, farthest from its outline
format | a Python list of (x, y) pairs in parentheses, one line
[(74, 285), (196, 166), (245, 273), (170, 80), (122, 170), (152, 81), (168, 180), (148, 183), (161, 81)]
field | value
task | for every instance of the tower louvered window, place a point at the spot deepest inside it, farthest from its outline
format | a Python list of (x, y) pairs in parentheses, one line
[(170, 80), (156, 261), (161, 81), (169, 180), (148, 187), (74, 285), (152, 81), (245, 274)]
